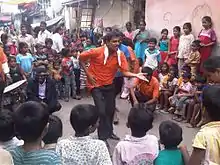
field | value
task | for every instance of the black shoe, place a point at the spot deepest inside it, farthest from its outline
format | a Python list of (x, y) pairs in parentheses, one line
[(114, 137)]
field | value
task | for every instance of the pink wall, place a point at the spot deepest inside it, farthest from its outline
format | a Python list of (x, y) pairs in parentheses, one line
[(169, 13)]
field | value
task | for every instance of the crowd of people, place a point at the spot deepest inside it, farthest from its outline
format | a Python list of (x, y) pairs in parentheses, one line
[(171, 75)]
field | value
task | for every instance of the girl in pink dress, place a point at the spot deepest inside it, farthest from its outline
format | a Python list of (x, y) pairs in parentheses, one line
[(208, 38), (173, 47)]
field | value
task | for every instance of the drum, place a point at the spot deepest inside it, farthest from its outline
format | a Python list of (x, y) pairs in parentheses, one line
[(14, 95)]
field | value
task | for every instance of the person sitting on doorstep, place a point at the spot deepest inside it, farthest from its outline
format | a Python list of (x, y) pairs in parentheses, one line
[(42, 89), (179, 98), (206, 143), (145, 92), (170, 137), (31, 123), (54, 132), (8, 140), (82, 148), (140, 146), (168, 86)]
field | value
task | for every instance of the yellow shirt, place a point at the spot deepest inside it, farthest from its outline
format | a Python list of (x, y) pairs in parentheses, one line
[(208, 138)]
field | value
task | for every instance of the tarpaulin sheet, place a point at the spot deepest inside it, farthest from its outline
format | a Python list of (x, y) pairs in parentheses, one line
[(16, 2)]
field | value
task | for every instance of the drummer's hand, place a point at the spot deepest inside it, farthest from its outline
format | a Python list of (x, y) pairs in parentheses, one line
[(8, 78)]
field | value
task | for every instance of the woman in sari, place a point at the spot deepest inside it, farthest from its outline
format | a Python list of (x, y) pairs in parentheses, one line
[(140, 40)]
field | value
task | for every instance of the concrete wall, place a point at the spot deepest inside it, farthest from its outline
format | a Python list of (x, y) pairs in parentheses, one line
[(116, 14), (169, 13)]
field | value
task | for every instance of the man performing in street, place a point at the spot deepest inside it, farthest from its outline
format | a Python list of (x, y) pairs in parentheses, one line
[(104, 63)]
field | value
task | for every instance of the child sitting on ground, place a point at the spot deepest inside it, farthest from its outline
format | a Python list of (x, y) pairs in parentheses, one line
[(179, 98), (83, 149), (31, 122), (164, 70), (139, 146), (206, 143), (195, 106), (54, 132), (170, 138), (7, 132), (168, 86)]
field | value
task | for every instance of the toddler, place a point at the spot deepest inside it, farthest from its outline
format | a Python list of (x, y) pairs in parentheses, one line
[(170, 137), (54, 132), (139, 146)]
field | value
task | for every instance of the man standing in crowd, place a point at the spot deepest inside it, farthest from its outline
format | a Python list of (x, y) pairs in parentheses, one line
[(57, 39), (43, 33), (104, 63), (27, 38)]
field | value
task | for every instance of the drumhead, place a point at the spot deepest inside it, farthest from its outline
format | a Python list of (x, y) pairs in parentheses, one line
[(14, 86)]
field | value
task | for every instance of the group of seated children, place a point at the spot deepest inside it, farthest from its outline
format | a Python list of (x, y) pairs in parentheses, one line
[(40, 133)]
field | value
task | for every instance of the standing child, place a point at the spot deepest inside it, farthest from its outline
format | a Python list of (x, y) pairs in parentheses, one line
[(208, 38), (184, 45), (54, 132), (56, 75), (15, 71), (68, 75), (164, 45), (48, 47), (82, 148), (152, 55), (24, 59), (77, 71), (139, 147), (206, 143), (193, 60), (170, 137), (40, 57), (173, 47)]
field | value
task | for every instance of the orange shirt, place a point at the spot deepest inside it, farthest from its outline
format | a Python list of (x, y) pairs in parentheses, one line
[(3, 59), (150, 89), (103, 73)]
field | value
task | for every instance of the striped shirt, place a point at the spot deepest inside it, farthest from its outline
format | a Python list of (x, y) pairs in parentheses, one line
[(38, 157)]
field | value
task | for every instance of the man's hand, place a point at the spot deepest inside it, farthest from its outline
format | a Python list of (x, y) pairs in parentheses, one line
[(92, 79), (142, 76)]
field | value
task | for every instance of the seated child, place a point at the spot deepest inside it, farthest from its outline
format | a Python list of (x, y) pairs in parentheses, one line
[(54, 132), (15, 72), (168, 86), (193, 60), (206, 143), (170, 137), (180, 97), (31, 122), (139, 146), (82, 148), (7, 132), (163, 72), (195, 106)]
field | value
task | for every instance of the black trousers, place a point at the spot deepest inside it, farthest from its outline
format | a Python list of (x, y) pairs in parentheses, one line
[(77, 73), (118, 82), (143, 99), (2, 87), (104, 99)]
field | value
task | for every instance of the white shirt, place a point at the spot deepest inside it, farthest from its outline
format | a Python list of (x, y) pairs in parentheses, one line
[(185, 46), (151, 58), (57, 42), (13, 143), (42, 90), (83, 150), (42, 36), (28, 39)]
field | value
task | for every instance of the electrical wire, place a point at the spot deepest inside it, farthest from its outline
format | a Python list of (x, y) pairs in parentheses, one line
[(113, 2)]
